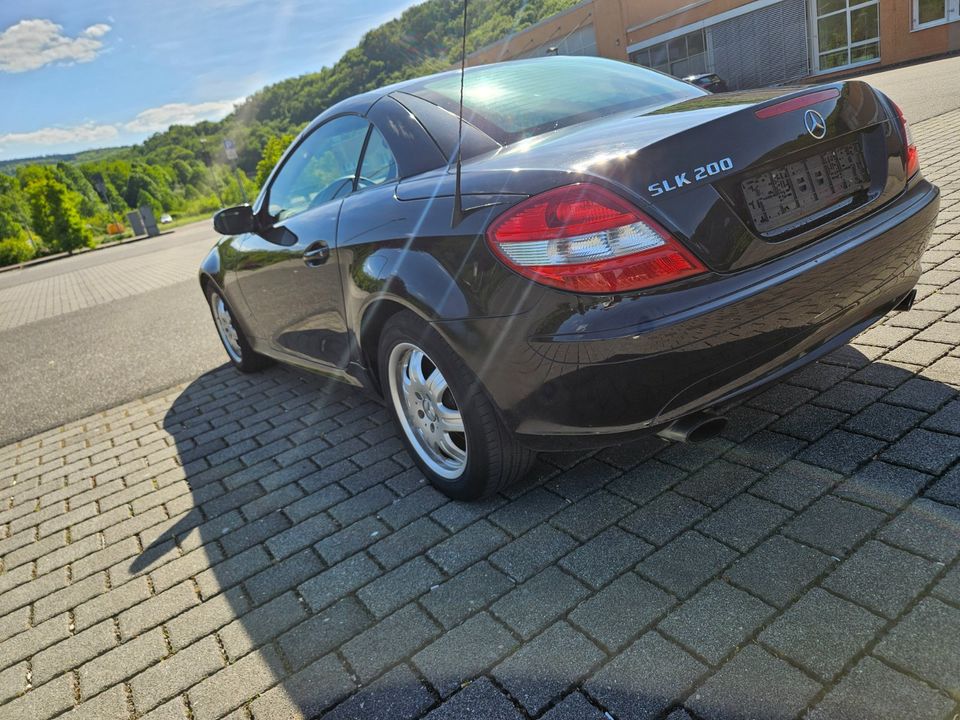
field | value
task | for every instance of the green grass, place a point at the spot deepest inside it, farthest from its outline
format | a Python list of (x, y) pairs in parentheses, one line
[(179, 220)]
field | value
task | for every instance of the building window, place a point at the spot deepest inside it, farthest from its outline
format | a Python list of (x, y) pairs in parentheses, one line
[(848, 32), (682, 56), (935, 12)]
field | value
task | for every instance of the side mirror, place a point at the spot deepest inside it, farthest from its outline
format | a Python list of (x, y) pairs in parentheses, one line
[(235, 221)]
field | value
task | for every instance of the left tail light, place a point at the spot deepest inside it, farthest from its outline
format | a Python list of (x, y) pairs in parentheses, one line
[(586, 239), (913, 155)]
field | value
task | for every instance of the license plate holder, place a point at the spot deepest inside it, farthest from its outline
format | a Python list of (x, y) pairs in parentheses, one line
[(781, 196)]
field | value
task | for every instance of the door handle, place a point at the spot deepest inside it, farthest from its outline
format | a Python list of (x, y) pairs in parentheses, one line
[(316, 254)]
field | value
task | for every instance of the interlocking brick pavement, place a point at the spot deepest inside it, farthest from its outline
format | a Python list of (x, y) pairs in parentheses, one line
[(39, 299), (261, 547)]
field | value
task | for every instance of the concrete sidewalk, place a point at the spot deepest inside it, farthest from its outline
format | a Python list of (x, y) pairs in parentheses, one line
[(260, 547)]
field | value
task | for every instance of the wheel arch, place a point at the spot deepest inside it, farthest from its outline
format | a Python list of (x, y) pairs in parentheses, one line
[(214, 281), (373, 318), (211, 267), (206, 281)]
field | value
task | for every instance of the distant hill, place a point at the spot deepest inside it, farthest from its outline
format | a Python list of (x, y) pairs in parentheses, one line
[(9, 167)]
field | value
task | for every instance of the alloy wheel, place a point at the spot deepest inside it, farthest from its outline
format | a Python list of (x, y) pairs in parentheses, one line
[(228, 332), (427, 410)]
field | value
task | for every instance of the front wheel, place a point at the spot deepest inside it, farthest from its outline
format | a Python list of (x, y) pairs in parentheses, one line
[(238, 348), (446, 420)]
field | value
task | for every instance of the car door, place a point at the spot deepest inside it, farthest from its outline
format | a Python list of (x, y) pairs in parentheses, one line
[(286, 273)]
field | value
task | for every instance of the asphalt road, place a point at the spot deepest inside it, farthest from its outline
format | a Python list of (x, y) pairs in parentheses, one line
[(78, 363), (924, 90), (68, 364)]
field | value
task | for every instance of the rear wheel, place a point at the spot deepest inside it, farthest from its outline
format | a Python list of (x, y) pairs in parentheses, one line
[(238, 348), (447, 422)]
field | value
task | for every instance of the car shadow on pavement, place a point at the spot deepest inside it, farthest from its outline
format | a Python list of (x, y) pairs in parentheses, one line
[(330, 578)]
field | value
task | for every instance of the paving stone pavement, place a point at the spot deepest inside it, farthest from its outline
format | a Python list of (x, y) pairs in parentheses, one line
[(87, 287), (261, 547)]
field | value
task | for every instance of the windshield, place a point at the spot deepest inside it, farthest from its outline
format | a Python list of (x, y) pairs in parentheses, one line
[(512, 101)]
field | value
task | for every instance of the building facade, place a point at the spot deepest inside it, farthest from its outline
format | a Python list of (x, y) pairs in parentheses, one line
[(749, 43)]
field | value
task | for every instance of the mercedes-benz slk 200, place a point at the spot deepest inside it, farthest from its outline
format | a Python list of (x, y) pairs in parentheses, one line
[(619, 253)]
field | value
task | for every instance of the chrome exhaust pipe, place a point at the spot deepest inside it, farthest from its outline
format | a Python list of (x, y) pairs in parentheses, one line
[(907, 302), (697, 427)]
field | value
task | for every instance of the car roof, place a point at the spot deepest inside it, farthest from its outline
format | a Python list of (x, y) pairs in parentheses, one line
[(361, 104)]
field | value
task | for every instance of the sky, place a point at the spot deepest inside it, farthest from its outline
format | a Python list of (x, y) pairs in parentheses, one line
[(99, 73)]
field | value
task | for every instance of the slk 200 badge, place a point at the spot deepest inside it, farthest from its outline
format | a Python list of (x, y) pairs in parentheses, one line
[(699, 174)]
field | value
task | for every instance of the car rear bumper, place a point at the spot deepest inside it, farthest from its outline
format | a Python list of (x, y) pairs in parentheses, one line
[(626, 366)]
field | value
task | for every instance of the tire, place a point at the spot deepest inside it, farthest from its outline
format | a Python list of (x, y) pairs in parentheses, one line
[(478, 461), (242, 355)]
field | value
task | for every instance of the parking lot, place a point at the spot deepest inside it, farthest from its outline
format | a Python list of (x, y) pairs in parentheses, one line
[(262, 547)]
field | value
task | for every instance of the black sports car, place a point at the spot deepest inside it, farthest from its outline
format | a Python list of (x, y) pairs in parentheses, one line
[(623, 252)]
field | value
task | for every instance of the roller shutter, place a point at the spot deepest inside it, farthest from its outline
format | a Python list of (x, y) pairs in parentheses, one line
[(764, 47)]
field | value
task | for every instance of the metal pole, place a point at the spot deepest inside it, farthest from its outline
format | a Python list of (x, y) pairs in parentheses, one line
[(26, 228), (243, 193), (209, 163), (113, 212)]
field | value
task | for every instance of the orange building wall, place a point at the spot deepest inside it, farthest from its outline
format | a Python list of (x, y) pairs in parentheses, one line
[(612, 19), (638, 12), (899, 44), (540, 34)]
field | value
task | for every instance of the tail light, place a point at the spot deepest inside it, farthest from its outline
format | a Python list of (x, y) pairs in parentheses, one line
[(584, 238), (913, 156)]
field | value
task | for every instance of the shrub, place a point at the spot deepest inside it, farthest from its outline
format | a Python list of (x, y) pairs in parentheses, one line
[(56, 217), (15, 250)]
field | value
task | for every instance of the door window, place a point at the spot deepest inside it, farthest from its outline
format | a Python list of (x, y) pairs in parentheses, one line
[(848, 32), (323, 167), (379, 165)]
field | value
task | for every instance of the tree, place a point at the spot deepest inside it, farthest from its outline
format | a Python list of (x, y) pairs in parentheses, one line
[(145, 198), (73, 178), (271, 156), (13, 208), (55, 215)]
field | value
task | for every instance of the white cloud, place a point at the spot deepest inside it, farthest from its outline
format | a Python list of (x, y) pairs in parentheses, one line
[(160, 118), (32, 44), (92, 134), (88, 132), (97, 31)]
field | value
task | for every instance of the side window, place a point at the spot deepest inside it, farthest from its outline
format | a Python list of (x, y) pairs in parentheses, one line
[(322, 167), (379, 165)]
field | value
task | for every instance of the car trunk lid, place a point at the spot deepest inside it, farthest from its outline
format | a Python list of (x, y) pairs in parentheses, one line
[(738, 177)]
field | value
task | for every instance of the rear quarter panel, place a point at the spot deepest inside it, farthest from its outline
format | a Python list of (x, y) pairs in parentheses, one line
[(409, 252)]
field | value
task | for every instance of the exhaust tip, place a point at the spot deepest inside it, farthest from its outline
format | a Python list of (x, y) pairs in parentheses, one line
[(907, 302), (709, 428), (698, 427)]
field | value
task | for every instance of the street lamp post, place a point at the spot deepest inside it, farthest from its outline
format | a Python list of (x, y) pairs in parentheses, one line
[(213, 175), (230, 150), (26, 227)]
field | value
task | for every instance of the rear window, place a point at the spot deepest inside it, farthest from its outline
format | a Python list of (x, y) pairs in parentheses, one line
[(514, 100)]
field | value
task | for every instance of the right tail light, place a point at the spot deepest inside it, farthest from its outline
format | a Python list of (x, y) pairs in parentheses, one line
[(913, 156), (586, 239)]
